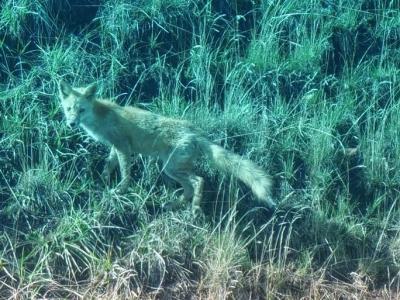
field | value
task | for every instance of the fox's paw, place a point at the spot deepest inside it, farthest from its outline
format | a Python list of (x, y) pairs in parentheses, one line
[(197, 211), (270, 203), (105, 175), (175, 205), (119, 190), (122, 187)]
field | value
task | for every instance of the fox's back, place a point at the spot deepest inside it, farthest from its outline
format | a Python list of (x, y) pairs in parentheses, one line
[(143, 131)]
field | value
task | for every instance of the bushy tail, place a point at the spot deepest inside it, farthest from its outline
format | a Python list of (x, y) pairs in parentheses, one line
[(247, 171)]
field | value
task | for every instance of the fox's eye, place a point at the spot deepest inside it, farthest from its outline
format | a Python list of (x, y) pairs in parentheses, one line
[(68, 108), (81, 110)]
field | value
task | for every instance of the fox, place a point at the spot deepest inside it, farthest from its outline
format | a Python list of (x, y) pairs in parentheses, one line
[(129, 130)]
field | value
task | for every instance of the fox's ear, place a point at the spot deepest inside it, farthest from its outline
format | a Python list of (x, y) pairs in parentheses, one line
[(91, 90), (64, 88)]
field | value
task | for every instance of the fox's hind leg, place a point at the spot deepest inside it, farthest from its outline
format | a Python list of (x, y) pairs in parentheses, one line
[(179, 166), (198, 182), (192, 186)]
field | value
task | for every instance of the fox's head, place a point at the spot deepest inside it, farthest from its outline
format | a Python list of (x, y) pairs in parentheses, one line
[(77, 103)]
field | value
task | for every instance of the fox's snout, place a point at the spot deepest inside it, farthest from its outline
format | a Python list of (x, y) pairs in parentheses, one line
[(73, 121), (73, 124)]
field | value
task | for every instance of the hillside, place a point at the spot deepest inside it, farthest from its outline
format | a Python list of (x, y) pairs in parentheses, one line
[(309, 90)]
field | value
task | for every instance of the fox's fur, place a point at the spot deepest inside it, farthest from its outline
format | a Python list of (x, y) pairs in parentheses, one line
[(177, 143)]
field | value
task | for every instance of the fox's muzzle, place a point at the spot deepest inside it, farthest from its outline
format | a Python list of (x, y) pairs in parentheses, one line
[(73, 123)]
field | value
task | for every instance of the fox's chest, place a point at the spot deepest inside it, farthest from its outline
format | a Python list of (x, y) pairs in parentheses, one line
[(95, 134)]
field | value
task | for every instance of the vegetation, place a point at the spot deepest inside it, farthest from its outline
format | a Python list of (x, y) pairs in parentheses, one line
[(307, 89)]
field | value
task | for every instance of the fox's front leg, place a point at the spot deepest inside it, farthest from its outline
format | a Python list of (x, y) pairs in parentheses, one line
[(124, 164), (110, 165)]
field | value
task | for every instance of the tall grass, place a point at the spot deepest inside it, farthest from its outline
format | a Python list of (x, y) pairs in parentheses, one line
[(307, 89)]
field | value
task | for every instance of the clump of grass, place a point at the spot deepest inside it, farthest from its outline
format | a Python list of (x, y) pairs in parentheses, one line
[(117, 15), (293, 36), (156, 258), (65, 250), (12, 16), (35, 191), (17, 17), (224, 259)]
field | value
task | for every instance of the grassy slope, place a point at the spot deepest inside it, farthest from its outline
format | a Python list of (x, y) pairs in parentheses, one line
[(308, 89)]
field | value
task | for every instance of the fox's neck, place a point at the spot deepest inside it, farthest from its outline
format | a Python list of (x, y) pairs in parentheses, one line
[(100, 109), (99, 112), (94, 125)]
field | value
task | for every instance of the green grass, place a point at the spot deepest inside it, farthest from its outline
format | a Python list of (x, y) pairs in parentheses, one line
[(307, 89)]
